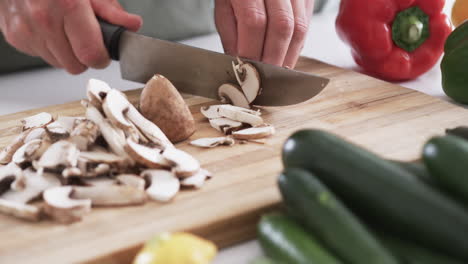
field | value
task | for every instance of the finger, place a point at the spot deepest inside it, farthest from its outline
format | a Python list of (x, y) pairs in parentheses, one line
[(19, 34), (117, 4), (226, 26), (309, 7), (44, 52), (251, 27), (84, 34), (116, 15), (301, 26), (279, 32)]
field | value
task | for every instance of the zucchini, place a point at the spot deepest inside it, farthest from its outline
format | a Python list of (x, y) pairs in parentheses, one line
[(307, 199), (381, 191), (419, 170), (409, 253), (446, 158), (461, 131), (286, 242)]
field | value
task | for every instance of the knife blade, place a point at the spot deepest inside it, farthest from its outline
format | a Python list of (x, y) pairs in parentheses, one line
[(200, 72)]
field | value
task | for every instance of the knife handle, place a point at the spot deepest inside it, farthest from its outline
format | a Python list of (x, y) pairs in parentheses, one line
[(111, 35)]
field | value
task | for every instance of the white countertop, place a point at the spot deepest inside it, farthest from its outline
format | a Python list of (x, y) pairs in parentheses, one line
[(43, 87)]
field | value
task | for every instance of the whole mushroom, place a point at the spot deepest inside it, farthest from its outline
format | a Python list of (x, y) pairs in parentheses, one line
[(161, 103)]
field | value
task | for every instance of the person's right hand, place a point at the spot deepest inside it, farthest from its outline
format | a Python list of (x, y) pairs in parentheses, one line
[(65, 33)]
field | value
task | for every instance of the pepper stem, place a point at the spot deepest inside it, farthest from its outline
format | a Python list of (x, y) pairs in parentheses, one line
[(410, 28)]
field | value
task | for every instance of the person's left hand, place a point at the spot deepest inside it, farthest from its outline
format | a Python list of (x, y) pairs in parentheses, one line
[(272, 31)]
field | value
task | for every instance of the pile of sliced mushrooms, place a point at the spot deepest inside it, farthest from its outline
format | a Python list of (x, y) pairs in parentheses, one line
[(235, 118), (113, 156), (118, 155)]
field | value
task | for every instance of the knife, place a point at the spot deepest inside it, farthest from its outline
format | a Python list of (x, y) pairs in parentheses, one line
[(200, 72)]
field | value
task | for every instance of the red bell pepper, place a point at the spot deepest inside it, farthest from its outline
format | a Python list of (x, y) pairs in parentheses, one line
[(394, 40)]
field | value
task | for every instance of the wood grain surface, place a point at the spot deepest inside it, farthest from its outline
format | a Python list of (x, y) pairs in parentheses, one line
[(384, 117)]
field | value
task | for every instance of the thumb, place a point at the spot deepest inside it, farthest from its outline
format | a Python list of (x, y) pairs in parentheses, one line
[(114, 14)]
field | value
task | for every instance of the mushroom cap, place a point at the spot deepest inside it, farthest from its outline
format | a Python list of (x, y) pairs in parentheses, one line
[(163, 184), (162, 104)]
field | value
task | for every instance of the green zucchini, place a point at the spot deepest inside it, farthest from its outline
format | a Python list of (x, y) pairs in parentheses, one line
[(381, 191), (446, 158), (307, 199), (286, 242), (461, 131), (419, 170), (410, 253)]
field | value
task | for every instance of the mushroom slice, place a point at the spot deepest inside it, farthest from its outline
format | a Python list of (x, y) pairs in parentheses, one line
[(240, 114), (248, 78), (196, 180), (60, 154), (232, 94), (225, 125), (72, 172), (254, 132), (56, 131), (185, 164), (212, 142), (60, 206), (84, 134), (149, 157), (150, 130), (132, 180), (20, 210), (34, 185), (7, 152), (115, 105), (163, 184), (10, 177), (100, 156), (113, 136), (211, 111), (111, 195), (69, 122), (96, 91), (35, 133), (39, 120), (30, 151)]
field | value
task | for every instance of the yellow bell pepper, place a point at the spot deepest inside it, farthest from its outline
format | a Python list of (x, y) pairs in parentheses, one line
[(176, 248), (459, 12)]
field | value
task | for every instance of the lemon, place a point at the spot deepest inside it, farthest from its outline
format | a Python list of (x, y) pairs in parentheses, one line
[(176, 248)]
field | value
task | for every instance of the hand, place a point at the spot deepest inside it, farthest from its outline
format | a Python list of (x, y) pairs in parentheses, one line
[(65, 33), (272, 31)]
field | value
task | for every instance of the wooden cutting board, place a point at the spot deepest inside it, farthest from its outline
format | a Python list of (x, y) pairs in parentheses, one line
[(384, 117)]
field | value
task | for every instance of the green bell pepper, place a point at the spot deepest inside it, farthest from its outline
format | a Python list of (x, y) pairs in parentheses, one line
[(454, 65)]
